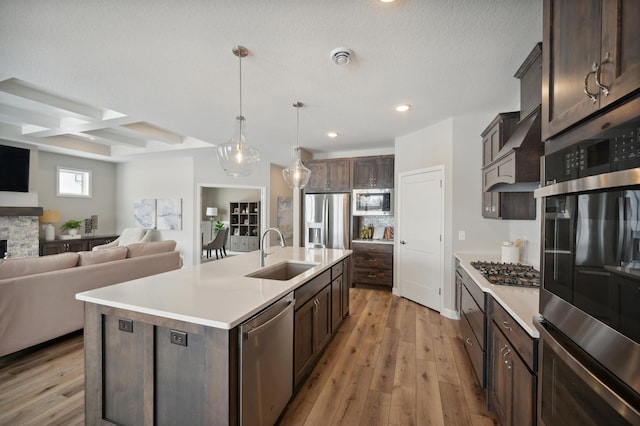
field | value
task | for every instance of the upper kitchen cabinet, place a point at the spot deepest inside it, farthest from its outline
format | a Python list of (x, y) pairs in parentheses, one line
[(373, 172), (496, 134), (591, 59), (329, 175)]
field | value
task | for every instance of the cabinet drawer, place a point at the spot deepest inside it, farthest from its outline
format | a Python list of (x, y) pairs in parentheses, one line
[(472, 313), (372, 247), (311, 288), (474, 350), (373, 276), (336, 270), (524, 344), (373, 260)]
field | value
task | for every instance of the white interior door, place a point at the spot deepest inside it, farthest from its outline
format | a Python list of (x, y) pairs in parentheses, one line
[(420, 227)]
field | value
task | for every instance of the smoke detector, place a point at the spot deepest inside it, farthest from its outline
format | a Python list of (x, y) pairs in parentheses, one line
[(341, 55)]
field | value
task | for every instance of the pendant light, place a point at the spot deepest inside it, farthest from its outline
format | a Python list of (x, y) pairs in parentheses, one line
[(297, 176), (237, 157)]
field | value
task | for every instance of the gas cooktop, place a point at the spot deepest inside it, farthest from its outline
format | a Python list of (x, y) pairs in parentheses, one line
[(513, 274)]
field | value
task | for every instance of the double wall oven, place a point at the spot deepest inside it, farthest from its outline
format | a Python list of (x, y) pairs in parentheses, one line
[(590, 295)]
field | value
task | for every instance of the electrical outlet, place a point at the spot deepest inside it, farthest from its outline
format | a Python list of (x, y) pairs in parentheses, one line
[(462, 235), (125, 325), (179, 338)]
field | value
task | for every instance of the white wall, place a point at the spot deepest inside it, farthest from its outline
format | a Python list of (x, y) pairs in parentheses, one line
[(103, 190), (170, 177), (456, 144)]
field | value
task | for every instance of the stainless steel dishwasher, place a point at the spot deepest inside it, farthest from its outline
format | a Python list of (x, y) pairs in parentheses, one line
[(266, 363)]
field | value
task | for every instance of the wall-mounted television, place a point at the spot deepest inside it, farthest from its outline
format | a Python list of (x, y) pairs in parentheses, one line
[(14, 169)]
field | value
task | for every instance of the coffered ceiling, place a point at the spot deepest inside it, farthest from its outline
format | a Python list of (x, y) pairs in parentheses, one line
[(115, 80)]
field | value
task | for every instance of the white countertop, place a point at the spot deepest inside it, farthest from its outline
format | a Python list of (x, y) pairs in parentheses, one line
[(215, 294), (522, 303)]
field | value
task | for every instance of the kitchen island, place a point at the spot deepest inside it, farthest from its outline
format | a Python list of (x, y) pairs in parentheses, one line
[(165, 349)]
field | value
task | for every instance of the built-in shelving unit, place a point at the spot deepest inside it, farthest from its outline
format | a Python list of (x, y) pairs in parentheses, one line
[(244, 225)]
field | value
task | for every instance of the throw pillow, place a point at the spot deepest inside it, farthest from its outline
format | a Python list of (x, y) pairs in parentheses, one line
[(11, 268), (145, 249), (130, 236), (101, 256)]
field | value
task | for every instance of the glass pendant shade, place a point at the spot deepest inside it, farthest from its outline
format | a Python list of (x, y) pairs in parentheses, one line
[(297, 176), (237, 157)]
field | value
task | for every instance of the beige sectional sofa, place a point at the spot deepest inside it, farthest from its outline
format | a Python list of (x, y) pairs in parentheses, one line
[(37, 295)]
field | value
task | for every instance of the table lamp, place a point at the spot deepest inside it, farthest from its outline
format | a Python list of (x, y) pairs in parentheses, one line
[(48, 218), (211, 212)]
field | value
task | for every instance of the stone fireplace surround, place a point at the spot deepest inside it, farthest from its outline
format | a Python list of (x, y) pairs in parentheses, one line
[(20, 227)]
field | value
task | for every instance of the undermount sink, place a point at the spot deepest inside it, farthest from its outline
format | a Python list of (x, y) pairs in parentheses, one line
[(282, 271)]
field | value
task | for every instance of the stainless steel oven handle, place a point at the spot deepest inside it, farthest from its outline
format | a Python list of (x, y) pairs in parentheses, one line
[(590, 183), (605, 392), (621, 228)]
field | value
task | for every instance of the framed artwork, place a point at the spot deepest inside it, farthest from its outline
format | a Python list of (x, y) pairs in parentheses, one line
[(144, 212), (285, 218), (169, 214)]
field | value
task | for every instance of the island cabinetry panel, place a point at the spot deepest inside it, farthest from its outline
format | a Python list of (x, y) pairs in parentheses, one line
[(339, 292), (604, 64), (312, 331), (329, 175), (373, 172), (312, 324), (373, 264), (143, 369), (512, 369)]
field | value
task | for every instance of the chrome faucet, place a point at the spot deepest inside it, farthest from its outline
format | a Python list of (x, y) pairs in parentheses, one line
[(263, 254)]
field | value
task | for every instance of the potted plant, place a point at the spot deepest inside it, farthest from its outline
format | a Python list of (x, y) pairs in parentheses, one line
[(218, 226), (72, 226)]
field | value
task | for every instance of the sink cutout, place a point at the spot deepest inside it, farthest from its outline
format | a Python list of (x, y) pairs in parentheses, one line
[(282, 271)]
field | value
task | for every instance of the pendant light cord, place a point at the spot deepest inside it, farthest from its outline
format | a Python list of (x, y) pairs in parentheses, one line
[(240, 58)]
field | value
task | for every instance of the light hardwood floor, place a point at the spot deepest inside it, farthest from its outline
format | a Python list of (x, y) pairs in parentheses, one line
[(393, 362)]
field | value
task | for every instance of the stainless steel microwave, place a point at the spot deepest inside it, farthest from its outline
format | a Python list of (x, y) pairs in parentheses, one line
[(372, 202)]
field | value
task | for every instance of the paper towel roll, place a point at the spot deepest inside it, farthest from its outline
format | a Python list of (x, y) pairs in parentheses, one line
[(510, 254)]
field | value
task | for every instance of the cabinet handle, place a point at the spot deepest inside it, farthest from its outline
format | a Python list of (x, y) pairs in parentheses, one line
[(505, 325), (372, 275), (504, 355), (592, 96), (468, 341), (602, 87)]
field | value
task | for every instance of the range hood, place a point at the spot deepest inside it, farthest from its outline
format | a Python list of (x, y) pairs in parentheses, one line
[(516, 167)]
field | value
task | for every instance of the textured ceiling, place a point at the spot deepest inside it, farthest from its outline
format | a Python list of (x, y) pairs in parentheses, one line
[(167, 68)]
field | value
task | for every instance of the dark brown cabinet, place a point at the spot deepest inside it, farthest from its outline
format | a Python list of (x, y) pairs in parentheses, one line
[(512, 369), (502, 205), (591, 59), (373, 264), (73, 245), (329, 175), (373, 172), (312, 331)]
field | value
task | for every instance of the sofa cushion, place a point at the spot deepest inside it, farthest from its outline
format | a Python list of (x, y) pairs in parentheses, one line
[(11, 268), (145, 249), (102, 256)]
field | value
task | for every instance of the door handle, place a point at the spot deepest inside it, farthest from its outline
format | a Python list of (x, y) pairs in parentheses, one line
[(403, 242)]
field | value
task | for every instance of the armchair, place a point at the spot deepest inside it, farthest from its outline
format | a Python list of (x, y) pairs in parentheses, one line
[(128, 236), (217, 243)]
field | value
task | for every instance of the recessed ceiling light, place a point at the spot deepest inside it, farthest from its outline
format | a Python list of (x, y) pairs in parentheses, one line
[(387, 1), (403, 108), (332, 134)]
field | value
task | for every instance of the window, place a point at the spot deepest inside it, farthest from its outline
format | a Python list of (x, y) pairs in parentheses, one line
[(74, 182)]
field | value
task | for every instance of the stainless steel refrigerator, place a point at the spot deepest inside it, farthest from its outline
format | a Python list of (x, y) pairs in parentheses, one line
[(327, 221)]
